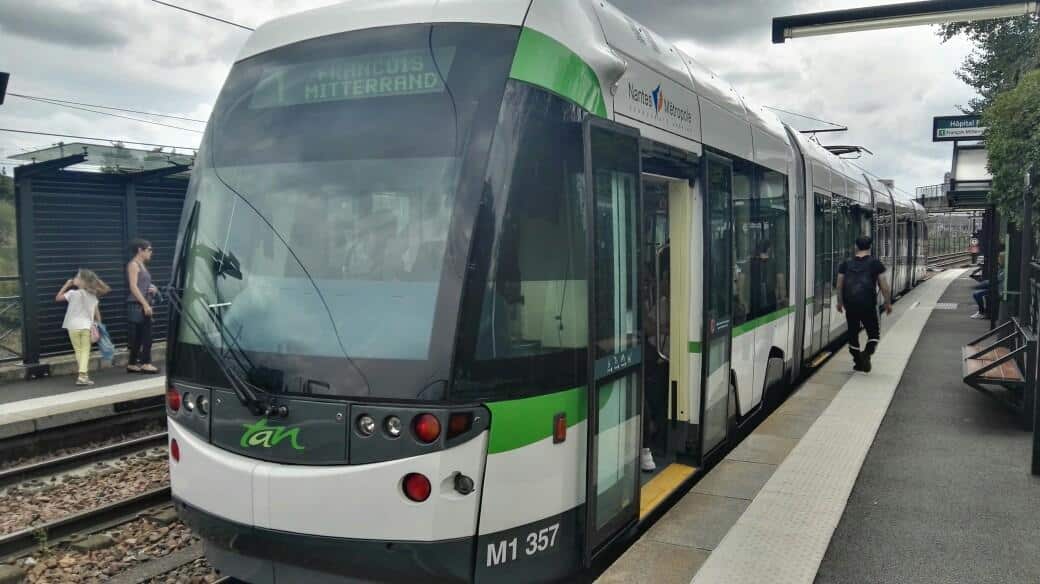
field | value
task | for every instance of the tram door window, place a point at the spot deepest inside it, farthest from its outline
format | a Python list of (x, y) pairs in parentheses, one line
[(826, 269), (615, 397), (820, 274), (718, 307)]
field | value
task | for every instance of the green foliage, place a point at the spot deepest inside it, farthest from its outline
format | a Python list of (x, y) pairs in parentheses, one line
[(1013, 141), (6, 188), (1005, 50)]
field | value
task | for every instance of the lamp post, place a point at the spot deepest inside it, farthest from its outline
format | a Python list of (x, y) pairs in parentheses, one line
[(896, 15)]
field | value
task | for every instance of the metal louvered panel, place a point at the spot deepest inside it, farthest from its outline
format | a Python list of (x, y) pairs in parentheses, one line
[(159, 207), (71, 220)]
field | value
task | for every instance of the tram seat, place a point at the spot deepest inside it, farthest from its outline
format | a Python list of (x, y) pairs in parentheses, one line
[(1006, 363)]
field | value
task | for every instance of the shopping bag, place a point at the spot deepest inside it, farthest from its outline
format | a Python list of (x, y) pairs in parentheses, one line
[(108, 350)]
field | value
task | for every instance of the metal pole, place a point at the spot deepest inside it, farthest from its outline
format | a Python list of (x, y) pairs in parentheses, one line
[(1028, 250)]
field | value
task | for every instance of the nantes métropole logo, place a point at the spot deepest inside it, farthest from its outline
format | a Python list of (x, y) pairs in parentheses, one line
[(659, 103), (260, 434)]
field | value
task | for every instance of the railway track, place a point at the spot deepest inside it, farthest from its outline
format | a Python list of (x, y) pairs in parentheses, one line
[(52, 466), (948, 260), (31, 538), (132, 420)]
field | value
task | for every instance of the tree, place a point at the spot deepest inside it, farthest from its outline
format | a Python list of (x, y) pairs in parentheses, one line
[(1013, 141), (1005, 50)]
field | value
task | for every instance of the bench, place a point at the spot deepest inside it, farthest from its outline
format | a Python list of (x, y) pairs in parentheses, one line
[(1003, 368)]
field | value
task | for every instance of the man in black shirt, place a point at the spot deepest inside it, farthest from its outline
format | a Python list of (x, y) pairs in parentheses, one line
[(858, 281)]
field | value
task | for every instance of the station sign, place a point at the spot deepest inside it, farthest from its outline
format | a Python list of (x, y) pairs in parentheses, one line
[(953, 128)]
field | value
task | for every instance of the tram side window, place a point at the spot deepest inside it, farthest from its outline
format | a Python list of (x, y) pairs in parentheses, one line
[(771, 257), (744, 239)]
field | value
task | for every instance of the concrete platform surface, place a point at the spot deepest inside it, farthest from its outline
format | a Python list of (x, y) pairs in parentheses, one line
[(65, 384), (738, 488), (945, 494)]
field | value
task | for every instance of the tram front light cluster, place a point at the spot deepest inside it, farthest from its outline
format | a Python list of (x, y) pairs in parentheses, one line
[(459, 424), (366, 425), (416, 487), (393, 426), (427, 428), (173, 399)]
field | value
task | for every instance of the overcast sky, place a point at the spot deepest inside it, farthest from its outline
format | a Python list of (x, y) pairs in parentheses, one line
[(885, 86)]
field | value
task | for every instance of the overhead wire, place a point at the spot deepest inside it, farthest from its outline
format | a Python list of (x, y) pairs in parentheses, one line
[(57, 135), (806, 117), (76, 107), (107, 107), (202, 14)]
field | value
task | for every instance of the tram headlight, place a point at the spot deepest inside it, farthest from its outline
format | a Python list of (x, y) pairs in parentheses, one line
[(188, 404), (366, 425), (203, 404), (393, 426)]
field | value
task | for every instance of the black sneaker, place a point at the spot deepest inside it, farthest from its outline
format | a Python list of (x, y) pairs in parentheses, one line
[(865, 365), (857, 362)]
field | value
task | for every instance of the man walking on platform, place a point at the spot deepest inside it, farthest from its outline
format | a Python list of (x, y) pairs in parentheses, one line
[(858, 281)]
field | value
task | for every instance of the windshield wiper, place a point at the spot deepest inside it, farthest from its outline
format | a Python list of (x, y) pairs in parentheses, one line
[(227, 360)]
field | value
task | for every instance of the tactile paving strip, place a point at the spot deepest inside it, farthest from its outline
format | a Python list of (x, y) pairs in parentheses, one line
[(783, 535)]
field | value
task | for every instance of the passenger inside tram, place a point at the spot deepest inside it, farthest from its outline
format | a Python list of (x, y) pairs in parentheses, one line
[(656, 305)]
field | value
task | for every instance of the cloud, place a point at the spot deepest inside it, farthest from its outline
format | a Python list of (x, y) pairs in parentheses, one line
[(66, 23), (885, 85)]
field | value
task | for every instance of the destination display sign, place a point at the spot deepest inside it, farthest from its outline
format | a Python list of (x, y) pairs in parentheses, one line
[(646, 96), (952, 128), (361, 77)]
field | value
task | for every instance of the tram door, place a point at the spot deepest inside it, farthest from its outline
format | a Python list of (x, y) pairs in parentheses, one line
[(615, 346), (718, 302)]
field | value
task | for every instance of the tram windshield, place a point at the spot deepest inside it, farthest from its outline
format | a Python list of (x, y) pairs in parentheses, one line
[(328, 187)]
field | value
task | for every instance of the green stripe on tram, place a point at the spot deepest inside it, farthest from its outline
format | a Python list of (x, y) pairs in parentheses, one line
[(694, 347), (762, 320), (543, 61), (517, 423)]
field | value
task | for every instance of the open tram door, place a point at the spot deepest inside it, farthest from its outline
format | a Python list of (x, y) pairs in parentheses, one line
[(612, 171)]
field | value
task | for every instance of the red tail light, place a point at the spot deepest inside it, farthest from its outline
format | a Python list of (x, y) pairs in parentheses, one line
[(417, 487), (175, 450), (427, 427), (173, 399), (459, 424)]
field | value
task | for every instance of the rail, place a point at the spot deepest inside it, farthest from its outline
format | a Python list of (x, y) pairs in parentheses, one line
[(48, 467), (946, 260), (29, 539)]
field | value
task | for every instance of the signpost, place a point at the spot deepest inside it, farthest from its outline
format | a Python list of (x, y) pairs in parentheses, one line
[(954, 128)]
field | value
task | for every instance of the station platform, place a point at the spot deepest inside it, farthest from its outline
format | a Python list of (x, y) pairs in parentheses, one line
[(905, 474), (32, 406)]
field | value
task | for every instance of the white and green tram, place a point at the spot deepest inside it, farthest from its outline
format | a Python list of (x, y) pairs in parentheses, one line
[(446, 266)]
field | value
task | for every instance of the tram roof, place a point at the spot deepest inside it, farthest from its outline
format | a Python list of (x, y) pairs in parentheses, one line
[(623, 55)]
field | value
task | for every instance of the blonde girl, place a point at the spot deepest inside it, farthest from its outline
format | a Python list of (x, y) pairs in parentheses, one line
[(82, 293)]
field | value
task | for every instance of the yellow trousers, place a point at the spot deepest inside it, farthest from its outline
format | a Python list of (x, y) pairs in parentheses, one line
[(81, 344)]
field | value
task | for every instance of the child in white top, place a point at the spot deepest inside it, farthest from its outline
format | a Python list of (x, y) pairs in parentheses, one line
[(81, 293)]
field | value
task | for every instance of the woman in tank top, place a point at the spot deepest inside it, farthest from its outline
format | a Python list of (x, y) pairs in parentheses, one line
[(139, 308)]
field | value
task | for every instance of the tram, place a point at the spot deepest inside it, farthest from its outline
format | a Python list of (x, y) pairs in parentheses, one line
[(446, 267)]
